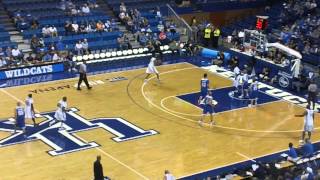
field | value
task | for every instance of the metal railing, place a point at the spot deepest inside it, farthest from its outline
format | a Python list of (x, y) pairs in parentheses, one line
[(181, 25)]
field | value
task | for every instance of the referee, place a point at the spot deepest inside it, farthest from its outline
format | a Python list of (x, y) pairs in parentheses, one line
[(83, 75)]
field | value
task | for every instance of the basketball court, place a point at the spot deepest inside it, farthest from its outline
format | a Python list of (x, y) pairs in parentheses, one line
[(141, 129)]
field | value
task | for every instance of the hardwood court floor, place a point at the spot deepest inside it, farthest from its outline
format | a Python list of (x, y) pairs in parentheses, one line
[(181, 145)]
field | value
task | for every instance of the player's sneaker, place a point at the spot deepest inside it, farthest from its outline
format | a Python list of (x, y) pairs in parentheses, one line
[(200, 123), (51, 122), (212, 123)]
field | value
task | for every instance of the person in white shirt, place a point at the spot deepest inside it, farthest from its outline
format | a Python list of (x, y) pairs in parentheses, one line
[(78, 48), (151, 69), (75, 27), (85, 9), (168, 176), (123, 7), (53, 31), (308, 121), (56, 57), (60, 114), (29, 109)]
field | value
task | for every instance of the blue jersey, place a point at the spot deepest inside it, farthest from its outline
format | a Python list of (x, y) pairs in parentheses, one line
[(204, 83), (20, 116)]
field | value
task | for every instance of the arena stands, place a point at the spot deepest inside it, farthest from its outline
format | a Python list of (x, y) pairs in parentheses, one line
[(293, 23)]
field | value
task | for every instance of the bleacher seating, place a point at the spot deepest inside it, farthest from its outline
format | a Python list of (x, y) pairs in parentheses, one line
[(286, 26), (50, 13)]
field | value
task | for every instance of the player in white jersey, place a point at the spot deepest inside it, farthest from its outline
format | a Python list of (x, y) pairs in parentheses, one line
[(308, 121), (29, 109), (60, 114), (151, 69), (254, 90)]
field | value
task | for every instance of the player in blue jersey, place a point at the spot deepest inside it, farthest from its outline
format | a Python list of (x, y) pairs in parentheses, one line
[(19, 115), (254, 92), (204, 84), (207, 103)]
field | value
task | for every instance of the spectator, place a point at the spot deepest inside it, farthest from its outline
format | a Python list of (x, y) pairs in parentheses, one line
[(2, 54), (219, 60), (68, 28), (123, 7), (34, 42), (85, 46), (100, 27), (265, 75), (85, 9), (30, 59), (46, 58), (53, 31), (3, 62), (168, 175), (292, 154), (98, 169), (307, 148), (56, 57), (75, 27), (312, 94), (173, 46), (46, 31), (16, 54), (78, 48)]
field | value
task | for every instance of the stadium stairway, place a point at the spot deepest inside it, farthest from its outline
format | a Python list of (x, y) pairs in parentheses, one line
[(103, 5), (15, 35)]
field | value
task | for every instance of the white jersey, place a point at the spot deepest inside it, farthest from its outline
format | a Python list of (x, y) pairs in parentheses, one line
[(60, 114), (29, 114), (308, 119), (151, 66), (169, 177), (238, 80)]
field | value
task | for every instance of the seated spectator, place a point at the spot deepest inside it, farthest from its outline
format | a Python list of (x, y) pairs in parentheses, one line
[(163, 38), (307, 148), (292, 154), (30, 59), (47, 58), (34, 24), (123, 7), (2, 54), (3, 62), (85, 46), (17, 55), (78, 48), (174, 47), (34, 43), (99, 27), (75, 27), (53, 31), (56, 57), (46, 31), (219, 60), (308, 174), (265, 75), (85, 9), (68, 28)]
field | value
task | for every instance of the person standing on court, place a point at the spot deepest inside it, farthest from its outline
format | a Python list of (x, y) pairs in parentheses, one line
[(83, 75), (97, 169), (312, 93)]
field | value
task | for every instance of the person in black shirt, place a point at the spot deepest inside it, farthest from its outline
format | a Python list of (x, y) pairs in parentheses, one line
[(97, 169)]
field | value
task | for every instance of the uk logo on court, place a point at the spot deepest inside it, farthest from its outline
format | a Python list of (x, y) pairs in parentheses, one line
[(66, 141)]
